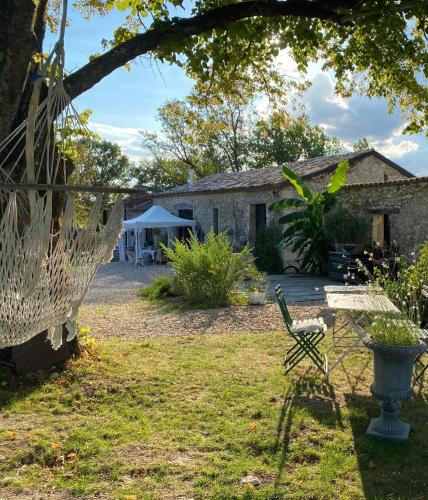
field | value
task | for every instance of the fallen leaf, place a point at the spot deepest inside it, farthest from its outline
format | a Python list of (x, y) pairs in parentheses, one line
[(55, 446), (252, 426), (11, 434), (71, 455)]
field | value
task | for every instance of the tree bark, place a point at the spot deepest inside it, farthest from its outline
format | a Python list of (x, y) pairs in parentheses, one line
[(22, 28)]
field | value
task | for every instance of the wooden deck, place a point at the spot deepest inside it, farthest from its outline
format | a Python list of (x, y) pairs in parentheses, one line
[(300, 288)]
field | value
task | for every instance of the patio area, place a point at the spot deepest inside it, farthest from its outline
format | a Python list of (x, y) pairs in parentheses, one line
[(113, 309), (118, 283)]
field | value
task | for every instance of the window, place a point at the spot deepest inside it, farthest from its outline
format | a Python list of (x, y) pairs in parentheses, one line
[(215, 220), (184, 232), (186, 213)]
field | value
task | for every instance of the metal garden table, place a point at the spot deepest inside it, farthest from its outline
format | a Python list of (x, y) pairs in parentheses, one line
[(355, 299)]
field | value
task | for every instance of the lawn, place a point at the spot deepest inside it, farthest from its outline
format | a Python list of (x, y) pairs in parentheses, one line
[(190, 417)]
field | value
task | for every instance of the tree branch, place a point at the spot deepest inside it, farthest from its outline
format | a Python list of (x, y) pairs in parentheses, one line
[(178, 29)]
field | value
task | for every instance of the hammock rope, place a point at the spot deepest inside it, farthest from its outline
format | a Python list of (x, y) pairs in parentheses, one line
[(46, 266)]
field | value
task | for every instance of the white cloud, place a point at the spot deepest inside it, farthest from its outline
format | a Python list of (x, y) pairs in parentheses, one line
[(394, 146), (128, 138), (112, 131)]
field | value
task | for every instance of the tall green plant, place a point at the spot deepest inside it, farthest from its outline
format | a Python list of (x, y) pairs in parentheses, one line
[(266, 251), (207, 272), (305, 233)]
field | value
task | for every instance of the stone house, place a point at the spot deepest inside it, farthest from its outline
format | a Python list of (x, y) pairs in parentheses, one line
[(239, 202), (396, 208)]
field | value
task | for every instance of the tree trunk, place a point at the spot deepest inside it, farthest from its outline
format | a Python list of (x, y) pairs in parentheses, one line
[(22, 28)]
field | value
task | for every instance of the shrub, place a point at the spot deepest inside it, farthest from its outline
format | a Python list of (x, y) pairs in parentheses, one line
[(402, 281), (208, 272), (266, 251), (161, 288), (258, 282)]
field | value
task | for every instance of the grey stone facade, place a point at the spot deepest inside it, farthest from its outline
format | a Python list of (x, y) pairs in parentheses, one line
[(236, 207), (404, 201)]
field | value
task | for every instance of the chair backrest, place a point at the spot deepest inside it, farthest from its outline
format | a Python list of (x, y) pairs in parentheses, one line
[(283, 306), (424, 313)]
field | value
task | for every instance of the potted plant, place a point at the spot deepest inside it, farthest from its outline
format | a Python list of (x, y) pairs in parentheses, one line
[(257, 288), (395, 345)]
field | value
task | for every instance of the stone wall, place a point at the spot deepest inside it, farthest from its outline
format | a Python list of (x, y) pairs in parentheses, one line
[(405, 201), (233, 210), (235, 207), (368, 169)]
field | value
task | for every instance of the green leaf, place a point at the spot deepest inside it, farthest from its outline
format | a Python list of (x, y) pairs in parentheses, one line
[(338, 179), (301, 189), (287, 203), (293, 216)]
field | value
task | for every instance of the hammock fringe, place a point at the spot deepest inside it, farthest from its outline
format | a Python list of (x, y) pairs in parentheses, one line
[(45, 274)]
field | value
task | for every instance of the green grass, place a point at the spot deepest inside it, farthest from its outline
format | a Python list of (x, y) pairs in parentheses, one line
[(191, 416)]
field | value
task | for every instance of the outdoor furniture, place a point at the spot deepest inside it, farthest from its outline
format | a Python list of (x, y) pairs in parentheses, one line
[(307, 335), (131, 255), (144, 254), (161, 257), (420, 367), (425, 310), (361, 303), (352, 288)]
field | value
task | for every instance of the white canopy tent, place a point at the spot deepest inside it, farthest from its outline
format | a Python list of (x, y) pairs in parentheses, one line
[(155, 217)]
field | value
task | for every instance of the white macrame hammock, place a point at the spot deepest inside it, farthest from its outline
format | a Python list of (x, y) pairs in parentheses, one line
[(46, 268)]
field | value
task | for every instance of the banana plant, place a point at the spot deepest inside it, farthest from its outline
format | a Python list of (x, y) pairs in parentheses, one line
[(305, 232)]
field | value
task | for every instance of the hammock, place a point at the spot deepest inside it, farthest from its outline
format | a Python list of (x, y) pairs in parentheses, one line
[(46, 264)]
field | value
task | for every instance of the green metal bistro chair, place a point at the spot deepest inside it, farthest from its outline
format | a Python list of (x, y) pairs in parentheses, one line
[(307, 335), (420, 366)]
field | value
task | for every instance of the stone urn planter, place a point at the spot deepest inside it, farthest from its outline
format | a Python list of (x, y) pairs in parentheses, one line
[(256, 298), (393, 370)]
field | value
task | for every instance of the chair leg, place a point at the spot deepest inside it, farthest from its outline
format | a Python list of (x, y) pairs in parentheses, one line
[(306, 347), (423, 369)]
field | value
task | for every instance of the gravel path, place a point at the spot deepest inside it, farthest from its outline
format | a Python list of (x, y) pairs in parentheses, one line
[(112, 309), (138, 321), (117, 283)]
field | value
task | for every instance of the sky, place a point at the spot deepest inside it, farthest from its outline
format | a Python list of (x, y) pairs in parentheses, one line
[(126, 102)]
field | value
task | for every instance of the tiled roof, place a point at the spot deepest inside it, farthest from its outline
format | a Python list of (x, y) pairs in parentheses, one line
[(392, 182), (271, 176), (136, 200)]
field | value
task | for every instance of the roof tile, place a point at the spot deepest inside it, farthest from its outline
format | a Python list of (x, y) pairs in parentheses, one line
[(270, 176)]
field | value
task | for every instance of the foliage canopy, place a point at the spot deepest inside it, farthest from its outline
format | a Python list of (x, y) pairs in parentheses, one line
[(374, 47)]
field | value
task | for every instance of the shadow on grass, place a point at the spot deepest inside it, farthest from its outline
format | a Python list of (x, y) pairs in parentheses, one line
[(389, 469), (312, 395), (19, 387)]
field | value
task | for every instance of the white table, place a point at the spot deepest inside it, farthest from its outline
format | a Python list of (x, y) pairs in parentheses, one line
[(352, 288), (362, 300), (143, 253)]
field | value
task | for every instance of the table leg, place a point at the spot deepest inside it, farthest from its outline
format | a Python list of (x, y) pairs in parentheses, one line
[(349, 349)]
